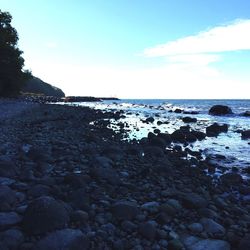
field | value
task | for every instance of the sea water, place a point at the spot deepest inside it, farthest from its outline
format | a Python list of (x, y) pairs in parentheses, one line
[(230, 144)]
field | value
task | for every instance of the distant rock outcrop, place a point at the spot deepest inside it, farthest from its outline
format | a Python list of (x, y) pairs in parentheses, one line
[(37, 86)]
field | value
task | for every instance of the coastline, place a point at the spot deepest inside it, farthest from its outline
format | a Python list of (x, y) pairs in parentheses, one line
[(109, 193)]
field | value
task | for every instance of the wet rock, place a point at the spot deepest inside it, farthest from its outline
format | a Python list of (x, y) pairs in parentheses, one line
[(66, 239), (45, 214), (210, 244), (245, 134), (215, 129), (247, 114), (147, 230), (188, 119), (175, 245), (128, 226), (194, 201), (79, 217), (178, 136), (178, 111), (124, 210), (8, 220), (231, 179), (149, 120), (12, 238), (220, 110), (212, 227)]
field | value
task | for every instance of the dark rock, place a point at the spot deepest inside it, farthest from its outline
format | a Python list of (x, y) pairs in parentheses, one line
[(178, 111), (220, 110), (247, 114), (166, 137), (79, 199), (128, 226), (150, 120), (8, 220), (194, 201), (107, 174), (188, 119), (7, 167), (39, 190), (125, 210), (175, 245), (178, 136), (212, 227), (245, 134), (79, 217), (66, 239), (210, 244), (231, 179), (45, 214), (153, 151), (7, 198), (244, 243), (12, 238), (215, 129), (147, 230), (76, 180), (195, 228)]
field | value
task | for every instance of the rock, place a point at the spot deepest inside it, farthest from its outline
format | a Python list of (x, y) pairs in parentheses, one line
[(151, 207), (39, 190), (7, 198), (79, 217), (188, 119), (175, 204), (195, 228), (231, 179), (178, 136), (128, 226), (6, 181), (124, 210), (178, 111), (107, 174), (215, 129), (66, 239), (153, 151), (147, 230), (8, 220), (175, 245), (45, 214), (212, 227), (12, 238), (247, 114), (79, 199), (194, 201), (244, 243), (245, 134), (210, 244), (7, 167), (149, 120), (220, 110)]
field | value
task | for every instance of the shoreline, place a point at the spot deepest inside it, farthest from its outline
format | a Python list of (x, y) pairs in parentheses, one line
[(103, 193)]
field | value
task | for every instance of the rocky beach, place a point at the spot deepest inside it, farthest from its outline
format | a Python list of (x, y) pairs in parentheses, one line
[(68, 181)]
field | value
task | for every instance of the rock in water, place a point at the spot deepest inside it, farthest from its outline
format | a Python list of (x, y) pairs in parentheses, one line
[(220, 110), (45, 214)]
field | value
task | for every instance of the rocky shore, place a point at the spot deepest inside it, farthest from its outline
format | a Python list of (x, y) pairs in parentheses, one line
[(68, 181)]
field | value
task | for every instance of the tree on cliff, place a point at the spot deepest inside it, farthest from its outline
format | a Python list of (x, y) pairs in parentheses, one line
[(12, 75)]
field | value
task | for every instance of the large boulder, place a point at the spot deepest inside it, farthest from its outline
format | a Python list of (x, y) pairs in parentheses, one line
[(45, 214), (231, 179), (220, 110)]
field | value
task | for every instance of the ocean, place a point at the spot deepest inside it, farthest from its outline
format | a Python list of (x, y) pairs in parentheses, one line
[(230, 144)]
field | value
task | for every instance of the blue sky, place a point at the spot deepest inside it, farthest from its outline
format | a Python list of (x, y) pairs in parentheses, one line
[(137, 48)]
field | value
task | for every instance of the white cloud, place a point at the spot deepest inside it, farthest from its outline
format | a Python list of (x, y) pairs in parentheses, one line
[(231, 37)]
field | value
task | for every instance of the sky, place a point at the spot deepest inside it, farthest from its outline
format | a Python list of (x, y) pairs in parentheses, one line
[(137, 48)]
